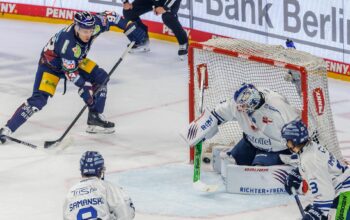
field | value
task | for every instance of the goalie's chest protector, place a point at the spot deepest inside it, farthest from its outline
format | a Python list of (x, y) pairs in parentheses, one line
[(263, 127)]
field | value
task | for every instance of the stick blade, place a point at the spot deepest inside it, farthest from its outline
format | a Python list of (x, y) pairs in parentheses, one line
[(49, 144), (200, 186)]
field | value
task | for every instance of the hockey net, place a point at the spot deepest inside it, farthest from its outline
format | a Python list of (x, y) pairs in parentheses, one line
[(227, 63)]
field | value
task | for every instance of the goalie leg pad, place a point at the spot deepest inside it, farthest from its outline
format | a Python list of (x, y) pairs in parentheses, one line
[(204, 127), (256, 180)]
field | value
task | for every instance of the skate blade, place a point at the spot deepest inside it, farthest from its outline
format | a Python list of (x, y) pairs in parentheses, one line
[(183, 57), (99, 130), (140, 50)]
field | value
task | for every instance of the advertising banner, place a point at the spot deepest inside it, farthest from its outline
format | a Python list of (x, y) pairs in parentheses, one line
[(322, 29)]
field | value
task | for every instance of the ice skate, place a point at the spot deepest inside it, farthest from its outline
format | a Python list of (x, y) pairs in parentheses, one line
[(97, 124), (183, 51), (141, 47)]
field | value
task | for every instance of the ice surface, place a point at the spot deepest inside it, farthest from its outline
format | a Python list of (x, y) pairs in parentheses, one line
[(147, 98)]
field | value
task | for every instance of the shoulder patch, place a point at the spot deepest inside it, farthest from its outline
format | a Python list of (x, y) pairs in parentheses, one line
[(65, 45), (77, 51)]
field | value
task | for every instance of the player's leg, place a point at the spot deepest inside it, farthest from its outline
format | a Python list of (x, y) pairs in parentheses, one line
[(92, 73), (243, 152), (139, 7), (44, 87), (263, 158), (171, 20)]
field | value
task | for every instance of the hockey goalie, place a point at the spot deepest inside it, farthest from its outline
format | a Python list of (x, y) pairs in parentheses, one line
[(261, 113)]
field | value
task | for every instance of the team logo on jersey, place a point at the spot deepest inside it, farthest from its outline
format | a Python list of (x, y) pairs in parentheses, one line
[(77, 51), (319, 100), (68, 64), (266, 120)]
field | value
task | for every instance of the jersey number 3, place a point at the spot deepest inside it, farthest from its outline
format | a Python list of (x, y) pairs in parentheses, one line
[(87, 213)]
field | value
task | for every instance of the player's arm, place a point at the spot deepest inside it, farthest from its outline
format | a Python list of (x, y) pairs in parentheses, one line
[(107, 19), (319, 180), (206, 125), (119, 203)]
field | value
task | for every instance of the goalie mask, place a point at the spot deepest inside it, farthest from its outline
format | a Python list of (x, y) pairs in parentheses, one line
[(92, 164), (247, 98), (295, 131)]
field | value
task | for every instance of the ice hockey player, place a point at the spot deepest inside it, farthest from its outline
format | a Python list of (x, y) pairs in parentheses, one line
[(65, 56), (328, 179), (95, 198), (168, 10), (261, 113)]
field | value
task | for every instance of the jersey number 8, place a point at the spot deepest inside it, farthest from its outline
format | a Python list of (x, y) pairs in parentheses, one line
[(87, 213)]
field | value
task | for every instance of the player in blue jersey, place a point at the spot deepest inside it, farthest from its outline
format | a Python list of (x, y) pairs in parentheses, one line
[(65, 57)]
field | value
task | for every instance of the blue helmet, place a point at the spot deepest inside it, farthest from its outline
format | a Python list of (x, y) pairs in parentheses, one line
[(295, 131), (92, 164), (248, 97), (84, 20)]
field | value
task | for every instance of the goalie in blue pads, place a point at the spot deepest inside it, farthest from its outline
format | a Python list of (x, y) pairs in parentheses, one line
[(261, 113), (65, 57)]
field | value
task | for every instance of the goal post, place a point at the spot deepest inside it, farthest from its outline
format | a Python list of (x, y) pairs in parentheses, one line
[(230, 62)]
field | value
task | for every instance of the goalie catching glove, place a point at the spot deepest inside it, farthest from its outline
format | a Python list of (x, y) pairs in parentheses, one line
[(204, 127)]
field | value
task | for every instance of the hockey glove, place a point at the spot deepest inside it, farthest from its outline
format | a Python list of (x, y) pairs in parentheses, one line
[(86, 93), (313, 213), (293, 180)]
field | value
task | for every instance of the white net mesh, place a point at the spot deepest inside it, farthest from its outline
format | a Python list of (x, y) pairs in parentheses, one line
[(227, 72)]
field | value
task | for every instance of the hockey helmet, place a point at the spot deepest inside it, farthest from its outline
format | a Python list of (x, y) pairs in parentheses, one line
[(92, 164), (247, 97), (295, 131), (84, 20)]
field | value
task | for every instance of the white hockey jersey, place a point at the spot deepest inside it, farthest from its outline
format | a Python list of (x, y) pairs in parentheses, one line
[(93, 198), (326, 177), (263, 127)]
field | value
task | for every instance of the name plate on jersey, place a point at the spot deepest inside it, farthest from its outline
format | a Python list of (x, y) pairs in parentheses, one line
[(256, 180)]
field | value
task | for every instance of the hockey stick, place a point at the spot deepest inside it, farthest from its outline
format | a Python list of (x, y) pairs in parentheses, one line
[(297, 200), (197, 183), (48, 144), (21, 142)]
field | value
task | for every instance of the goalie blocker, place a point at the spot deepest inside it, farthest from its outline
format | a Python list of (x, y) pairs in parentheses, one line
[(205, 127)]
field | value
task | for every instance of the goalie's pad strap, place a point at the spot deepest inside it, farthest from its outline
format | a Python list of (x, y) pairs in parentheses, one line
[(257, 180), (204, 127)]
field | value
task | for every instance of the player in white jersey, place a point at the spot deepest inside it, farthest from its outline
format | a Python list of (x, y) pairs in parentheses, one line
[(328, 179), (95, 198), (261, 113)]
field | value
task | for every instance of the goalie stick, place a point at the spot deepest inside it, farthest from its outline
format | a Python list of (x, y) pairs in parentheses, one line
[(48, 144), (197, 183)]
